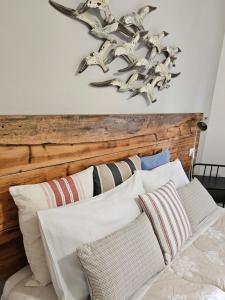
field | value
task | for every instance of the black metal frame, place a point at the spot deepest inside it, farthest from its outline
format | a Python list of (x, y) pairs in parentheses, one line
[(210, 182)]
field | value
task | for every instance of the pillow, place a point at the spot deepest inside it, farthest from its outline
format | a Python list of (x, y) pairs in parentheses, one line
[(107, 176), (66, 228), (154, 179), (197, 202), (119, 264), (32, 198), (155, 161), (169, 219)]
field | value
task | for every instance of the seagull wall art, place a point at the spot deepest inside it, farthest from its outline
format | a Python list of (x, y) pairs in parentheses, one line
[(123, 37)]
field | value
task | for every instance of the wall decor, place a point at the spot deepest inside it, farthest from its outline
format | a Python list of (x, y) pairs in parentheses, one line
[(121, 38)]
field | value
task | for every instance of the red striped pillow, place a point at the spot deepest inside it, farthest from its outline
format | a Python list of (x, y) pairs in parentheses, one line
[(169, 219), (64, 191), (32, 198)]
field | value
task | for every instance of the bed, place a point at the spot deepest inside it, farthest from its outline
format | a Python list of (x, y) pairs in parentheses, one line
[(15, 290), (40, 148)]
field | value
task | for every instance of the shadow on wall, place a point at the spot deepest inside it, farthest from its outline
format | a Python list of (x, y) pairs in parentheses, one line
[(1, 287)]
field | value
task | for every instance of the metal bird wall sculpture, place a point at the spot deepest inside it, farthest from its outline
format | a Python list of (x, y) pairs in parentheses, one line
[(99, 58), (135, 20), (132, 84), (153, 71)]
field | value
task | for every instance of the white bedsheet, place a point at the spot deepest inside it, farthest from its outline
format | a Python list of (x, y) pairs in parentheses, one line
[(14, 288)]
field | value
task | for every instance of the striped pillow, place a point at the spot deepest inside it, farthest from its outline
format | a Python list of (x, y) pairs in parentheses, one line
[(32, 198), (108, 176), (169, 219)]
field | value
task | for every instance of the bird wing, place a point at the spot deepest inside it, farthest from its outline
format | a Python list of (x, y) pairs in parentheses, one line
[(167, 62), (135, 77), (89, 20), (105, 48), (111, 28), (128, 68), (136, 38), (83, 65), (111, 82), (128, 19), (70, 12), (124, 30), (144, 11), (156, 80)]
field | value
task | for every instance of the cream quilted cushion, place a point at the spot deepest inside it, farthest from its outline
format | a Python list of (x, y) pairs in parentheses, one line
[(117, 265)]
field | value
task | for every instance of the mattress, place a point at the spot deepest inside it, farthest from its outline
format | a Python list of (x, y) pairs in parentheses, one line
[(15, 290)]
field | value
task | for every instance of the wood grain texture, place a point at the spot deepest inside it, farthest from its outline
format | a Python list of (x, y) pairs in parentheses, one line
[(35, 149)]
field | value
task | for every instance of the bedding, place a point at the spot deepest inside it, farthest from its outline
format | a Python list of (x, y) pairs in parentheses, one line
[(119, 264), (165, 286), (86, 222), (155, 161), (154, 179), (108, 176), (32, 198), (168, 218), (197, 202)]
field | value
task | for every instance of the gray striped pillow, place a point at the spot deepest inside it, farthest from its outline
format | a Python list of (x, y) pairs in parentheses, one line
[(197, 202), (108, 176), (119, 264)]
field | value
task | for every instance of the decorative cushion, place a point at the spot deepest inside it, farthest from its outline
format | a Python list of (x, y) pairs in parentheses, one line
[(107, 176), (197, 202), (154, 179), (66, 228), (155, 161), (169, 219), (119, 264), (32, 198)]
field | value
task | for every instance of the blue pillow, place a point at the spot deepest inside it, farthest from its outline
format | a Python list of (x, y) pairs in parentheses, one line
[(155, 161)]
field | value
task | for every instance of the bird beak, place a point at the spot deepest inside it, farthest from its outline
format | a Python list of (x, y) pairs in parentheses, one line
[(153, 8), (165, 33), (179, 50), (174, 75)]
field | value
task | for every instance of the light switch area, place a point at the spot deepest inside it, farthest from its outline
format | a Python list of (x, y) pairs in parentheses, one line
[(192, 152)]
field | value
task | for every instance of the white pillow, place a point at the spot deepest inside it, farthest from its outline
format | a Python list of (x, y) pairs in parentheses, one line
[(154, 179), (34, 197), (64, 229)]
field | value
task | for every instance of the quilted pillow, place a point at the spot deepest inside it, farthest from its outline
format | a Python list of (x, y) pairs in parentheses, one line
[(169, 219), (155, 161), (119, 264), (32, 198), (108, 176), (197, 202)]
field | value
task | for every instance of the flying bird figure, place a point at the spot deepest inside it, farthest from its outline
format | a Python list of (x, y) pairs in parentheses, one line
[(149, 89), (143, 63), (154, 41), (164, 71), (103, 6), (93, 23), (135, 20), (100, 58), (172, 53), (102, 32), (131, 84), (127, 50)]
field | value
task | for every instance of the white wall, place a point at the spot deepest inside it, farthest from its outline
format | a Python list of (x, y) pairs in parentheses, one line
[(214, 150), (41, 49)]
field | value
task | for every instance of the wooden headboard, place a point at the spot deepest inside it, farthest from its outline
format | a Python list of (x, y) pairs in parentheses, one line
[(34, 149)]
